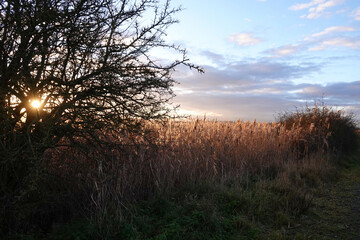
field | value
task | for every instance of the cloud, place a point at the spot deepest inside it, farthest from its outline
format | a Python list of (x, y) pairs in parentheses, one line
[(214, 57), (327, 38), (243, 76), (244, 39), (285, 50), (334, 29), (340, 91), (246, 89), (344, 95), (331, 37), (353, 43), (316, 8), (234, 106), (270, 70), (301, 6), (356, 14), (256, 88)]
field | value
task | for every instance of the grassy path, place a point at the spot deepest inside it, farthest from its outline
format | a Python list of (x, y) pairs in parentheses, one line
[(356, 214), (336, 209)]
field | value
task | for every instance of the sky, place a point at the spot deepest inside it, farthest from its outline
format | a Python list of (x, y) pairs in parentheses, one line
[(264, 57)]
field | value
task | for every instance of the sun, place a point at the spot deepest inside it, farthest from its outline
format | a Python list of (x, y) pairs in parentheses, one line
[(35, 104)]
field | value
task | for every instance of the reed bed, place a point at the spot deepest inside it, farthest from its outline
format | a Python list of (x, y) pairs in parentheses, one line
[(167, 155), (274, 165)]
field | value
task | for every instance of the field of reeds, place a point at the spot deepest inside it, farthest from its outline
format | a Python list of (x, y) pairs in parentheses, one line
[(265, 171)]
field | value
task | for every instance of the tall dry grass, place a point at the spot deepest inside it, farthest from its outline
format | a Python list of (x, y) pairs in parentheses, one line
[(102, 179), (179, 152), (165, 156)]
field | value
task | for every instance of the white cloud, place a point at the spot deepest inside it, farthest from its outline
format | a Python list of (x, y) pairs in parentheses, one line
[(337, 42), (284, 50), (301, 6), (342, 42), (244, 39), (356, 14), (316, 8), (334, 29), (318, 48), (329, 38)]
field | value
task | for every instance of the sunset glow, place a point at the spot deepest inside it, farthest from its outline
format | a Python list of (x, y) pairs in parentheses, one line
[(35, 104)]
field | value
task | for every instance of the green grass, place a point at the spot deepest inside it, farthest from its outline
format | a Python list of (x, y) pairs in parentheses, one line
[(217, 212), (335, 210), (202, 212)]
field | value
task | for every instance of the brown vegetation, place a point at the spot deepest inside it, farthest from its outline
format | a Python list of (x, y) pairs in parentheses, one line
[(101, 182), (179, 153)]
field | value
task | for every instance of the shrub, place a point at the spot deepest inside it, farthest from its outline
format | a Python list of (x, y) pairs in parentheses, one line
[(321, 128)]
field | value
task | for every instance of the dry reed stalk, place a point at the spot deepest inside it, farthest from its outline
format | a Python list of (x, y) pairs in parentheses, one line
[(181, 152)]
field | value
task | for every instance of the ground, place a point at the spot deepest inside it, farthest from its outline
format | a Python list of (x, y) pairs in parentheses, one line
[(336, 209)]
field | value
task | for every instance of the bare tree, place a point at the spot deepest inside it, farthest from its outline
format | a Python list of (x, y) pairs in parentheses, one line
[(69, 68)]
